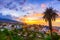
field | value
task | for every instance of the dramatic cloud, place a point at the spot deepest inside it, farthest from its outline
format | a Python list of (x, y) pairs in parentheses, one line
[(29, 11), (43, 5)]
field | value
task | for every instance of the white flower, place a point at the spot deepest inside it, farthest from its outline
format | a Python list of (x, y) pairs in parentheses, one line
[(19, 34), (39, 36), (2, 29)]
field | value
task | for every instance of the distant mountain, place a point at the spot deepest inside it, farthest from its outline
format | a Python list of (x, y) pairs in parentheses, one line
[(5, 16), (8, 20)]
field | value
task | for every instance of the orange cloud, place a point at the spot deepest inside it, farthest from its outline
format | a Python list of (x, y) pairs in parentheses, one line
[(32, 18), (36, 18), (43, 5)]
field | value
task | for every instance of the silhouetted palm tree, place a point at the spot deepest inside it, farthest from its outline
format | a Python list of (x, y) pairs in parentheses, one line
[(49, 16)]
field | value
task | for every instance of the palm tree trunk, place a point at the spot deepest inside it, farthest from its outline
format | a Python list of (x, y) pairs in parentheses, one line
[(50, 27)]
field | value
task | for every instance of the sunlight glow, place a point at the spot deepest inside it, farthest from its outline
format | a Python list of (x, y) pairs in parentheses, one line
[(36, 18)]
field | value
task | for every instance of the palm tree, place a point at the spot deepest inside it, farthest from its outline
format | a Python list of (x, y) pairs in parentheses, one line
[(49, 16)]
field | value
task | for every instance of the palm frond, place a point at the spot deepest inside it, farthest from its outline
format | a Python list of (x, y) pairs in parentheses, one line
[(50, 14)]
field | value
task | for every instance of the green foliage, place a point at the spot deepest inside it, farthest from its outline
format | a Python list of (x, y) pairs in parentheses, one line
[(47, 37), (13, 35), (2, 36), (56, 36)]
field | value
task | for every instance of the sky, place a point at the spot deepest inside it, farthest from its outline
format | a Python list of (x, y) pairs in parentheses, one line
[(28, 11)]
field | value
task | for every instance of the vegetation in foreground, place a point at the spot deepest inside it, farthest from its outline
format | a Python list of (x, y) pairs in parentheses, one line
[(16, 34)]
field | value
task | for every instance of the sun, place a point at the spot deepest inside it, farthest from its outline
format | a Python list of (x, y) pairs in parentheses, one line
[(33, 20), (30, 20)]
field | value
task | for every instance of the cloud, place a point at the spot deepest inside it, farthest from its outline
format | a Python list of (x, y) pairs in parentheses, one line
[(43, 5), (33, 10), (6, 16), (9, 12), (13, 8)]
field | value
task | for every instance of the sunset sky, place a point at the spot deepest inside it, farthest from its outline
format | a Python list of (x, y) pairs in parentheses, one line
[(28, 11)]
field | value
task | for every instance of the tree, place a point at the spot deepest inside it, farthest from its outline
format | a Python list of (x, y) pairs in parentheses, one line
[(49, 16)]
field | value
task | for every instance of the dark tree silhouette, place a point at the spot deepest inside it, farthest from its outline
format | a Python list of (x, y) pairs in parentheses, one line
[(49, 16)]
